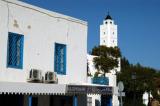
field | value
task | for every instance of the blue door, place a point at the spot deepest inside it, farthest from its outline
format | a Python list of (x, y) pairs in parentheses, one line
[(106, 100)]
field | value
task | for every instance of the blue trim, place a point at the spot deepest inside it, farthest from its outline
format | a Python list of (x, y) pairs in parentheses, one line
[(15, 45), (60, 65), (22, 46), (100, 80), (106, 100), (110, 101), (30, 101), (75, 101)]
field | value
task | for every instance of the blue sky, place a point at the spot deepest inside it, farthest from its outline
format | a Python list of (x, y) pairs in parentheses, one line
[(138, 24)]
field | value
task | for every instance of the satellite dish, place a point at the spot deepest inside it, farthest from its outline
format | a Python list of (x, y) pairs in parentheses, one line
[(120, 86)]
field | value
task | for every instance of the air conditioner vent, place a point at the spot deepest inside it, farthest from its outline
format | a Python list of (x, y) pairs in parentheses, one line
[(51, 77), (35, 75)]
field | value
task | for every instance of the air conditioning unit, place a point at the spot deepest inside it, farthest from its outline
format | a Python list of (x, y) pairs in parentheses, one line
[(51, 77), (35, 75)]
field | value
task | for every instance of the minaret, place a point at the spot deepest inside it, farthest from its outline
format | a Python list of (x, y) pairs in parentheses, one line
[(108, 36), (108, 32)]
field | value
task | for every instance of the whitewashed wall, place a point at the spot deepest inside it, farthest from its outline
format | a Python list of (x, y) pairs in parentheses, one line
[(112, 82), (42, 29), (108, 33)]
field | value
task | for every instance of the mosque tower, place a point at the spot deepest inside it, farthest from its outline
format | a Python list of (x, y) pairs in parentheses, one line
[(108, 37), (108, 32)]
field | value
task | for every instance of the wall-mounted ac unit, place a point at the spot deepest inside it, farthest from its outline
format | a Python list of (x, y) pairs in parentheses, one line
[(35, 75), (51, 77)]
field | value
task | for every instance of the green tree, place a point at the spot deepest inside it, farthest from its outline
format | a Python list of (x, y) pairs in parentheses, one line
[(146, 78), (106, 58)]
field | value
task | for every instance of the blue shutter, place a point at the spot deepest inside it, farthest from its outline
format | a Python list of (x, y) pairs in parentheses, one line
[(60, 58), (15, 50), (75, 101), (30, 101)]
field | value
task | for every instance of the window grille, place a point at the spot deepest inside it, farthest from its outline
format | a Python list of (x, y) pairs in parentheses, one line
[(15, 50), (60, 58)]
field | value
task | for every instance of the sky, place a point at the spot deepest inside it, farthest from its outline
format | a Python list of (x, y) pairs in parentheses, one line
[(138, 24)]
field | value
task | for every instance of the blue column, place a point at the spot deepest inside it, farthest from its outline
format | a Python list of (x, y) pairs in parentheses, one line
[(75, 101), (30, 101), (110, 101)]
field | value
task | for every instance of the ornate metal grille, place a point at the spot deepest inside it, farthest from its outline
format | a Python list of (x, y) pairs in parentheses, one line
[(60, 58), (15, 50)]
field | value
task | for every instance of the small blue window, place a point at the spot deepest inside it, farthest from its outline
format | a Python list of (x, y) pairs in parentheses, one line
[(60, 59), (15, 50)]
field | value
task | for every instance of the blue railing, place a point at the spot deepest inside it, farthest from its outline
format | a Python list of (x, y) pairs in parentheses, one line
[(100, 80)]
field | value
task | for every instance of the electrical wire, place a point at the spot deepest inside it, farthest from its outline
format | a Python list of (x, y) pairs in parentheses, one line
[(68, 19)]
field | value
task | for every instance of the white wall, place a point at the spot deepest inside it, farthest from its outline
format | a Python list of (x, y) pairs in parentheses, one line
[(112, 82), (42, 29), (112, 77), (95, 97), (108, 33)]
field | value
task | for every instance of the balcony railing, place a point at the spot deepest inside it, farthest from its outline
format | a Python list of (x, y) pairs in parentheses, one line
[(100, 80)]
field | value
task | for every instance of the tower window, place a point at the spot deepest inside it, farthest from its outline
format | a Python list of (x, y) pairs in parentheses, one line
[(104, 33), (110, 22), (106, 22)]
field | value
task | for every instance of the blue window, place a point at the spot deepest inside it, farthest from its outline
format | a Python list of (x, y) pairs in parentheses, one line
[(15, 50), (60, 58)]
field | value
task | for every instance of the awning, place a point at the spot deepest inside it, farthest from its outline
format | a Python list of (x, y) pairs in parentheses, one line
[(52, 89), (32, 88)]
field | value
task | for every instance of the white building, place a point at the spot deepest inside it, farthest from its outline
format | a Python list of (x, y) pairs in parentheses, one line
[(35, 45), (108, 32), (108, 37)]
